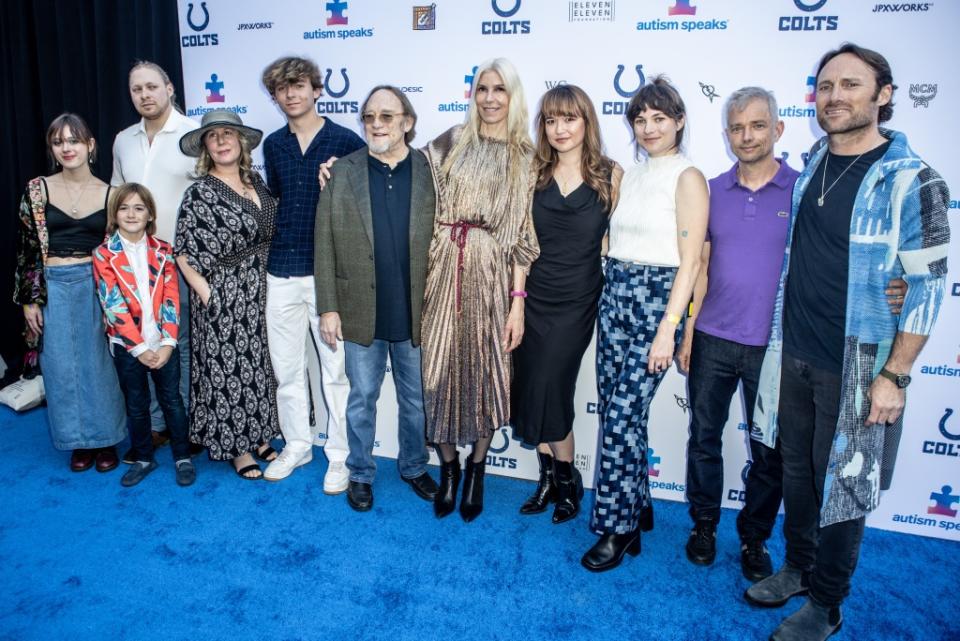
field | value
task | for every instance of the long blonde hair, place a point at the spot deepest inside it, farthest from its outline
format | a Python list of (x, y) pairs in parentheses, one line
[(205, 162), (518, 140)]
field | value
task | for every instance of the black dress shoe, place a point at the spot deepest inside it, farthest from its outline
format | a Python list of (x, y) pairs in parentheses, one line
[(546, 491), (471, 504), (755, 561), (360, 496), (702, 544), (608, 552), (446, 499), (569, 492), (424, 486)]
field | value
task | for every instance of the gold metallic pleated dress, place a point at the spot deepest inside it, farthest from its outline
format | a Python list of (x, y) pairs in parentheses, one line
[(482, 228)]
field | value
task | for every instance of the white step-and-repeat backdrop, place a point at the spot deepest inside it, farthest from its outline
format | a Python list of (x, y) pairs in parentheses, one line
[(708, 48)]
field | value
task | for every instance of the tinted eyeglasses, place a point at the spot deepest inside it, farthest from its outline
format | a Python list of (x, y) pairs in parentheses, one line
[(386, 117)]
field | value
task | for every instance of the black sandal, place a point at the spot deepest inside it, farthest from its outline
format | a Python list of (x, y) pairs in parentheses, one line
[(265, 454), (242, 472)]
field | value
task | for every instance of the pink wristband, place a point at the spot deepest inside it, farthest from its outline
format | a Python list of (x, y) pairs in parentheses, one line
[(518, 293)]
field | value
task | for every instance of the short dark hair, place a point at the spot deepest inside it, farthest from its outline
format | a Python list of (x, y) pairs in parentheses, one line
[(120, 194), (408, 109), (78, 127), (658, 94), (875, 60)]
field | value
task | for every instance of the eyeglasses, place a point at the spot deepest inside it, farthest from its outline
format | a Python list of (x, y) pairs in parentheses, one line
[(386, 118)]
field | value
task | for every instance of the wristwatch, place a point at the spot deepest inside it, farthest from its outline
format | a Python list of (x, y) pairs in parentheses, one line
[(900, 380)]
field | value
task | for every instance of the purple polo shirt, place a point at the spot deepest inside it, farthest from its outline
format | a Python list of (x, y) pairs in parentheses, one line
[(747, 235)]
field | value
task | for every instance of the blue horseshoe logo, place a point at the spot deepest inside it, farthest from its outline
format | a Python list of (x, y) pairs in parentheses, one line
[(619, 74), (745, 472), (506, 442), (803, 6), (505, 14), (206, 17), (346, 84), (943, 426)]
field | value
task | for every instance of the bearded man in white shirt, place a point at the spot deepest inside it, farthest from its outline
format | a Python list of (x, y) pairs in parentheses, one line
[(148, 153)]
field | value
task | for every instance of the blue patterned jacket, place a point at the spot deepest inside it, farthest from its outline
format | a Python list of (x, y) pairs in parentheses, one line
[(899, 228)]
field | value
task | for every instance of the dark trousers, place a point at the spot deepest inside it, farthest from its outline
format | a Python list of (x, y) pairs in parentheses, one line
[(717, 367), (809, 408), (166, 382)]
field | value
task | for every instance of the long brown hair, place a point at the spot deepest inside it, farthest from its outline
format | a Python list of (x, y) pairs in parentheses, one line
[(571, 100)]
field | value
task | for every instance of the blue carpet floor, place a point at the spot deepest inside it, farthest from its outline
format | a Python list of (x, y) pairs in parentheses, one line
[(83, 558)]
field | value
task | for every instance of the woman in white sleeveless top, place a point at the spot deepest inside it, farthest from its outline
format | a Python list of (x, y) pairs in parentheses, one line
[(656, 235)]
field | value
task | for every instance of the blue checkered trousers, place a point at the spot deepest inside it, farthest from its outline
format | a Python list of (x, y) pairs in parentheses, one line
[(633, 302)]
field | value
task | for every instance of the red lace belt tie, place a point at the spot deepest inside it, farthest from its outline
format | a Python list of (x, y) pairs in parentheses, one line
[(458, 235)]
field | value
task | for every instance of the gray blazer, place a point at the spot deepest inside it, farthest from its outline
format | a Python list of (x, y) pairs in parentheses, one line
[(343, 251)]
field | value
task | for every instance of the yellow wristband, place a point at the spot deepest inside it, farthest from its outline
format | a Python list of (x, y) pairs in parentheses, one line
[(673, 318)]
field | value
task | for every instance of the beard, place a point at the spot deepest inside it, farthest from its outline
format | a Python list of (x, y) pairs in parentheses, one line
[(855, 121), (379, 147)]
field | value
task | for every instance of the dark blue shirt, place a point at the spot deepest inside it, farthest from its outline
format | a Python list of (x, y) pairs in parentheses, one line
[(292, 177), (390, 207)]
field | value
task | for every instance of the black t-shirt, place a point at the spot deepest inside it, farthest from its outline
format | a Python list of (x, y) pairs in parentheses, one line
[(815, 304)]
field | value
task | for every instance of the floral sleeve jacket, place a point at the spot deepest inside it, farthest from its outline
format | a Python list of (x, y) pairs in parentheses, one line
[(899, 228), (29, 284), (120, 298)]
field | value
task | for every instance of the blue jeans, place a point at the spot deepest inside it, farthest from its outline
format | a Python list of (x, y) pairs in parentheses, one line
[(365, 369), (717, 366), (183, 348), (133, 377)]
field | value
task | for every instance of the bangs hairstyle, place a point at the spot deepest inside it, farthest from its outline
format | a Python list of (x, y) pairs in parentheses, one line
[(290, 70), (119, 195), (205, 162), (405, 105), (877, 63), (659, 94), (572, 101), (146, 64), (78, 128), (518, 138)]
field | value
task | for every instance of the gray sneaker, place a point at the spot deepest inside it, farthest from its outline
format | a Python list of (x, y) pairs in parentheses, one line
[(137, 472), (812, 622), (186, 472), (775, 590)]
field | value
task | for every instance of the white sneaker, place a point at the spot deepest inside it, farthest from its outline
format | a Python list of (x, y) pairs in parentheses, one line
[(284, 465), (337, 478)]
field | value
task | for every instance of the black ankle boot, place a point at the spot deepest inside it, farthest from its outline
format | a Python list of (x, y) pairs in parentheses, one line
[(471, 505), (546, 491), (569, 492), (646, 518), (446, 499), (607, 553)]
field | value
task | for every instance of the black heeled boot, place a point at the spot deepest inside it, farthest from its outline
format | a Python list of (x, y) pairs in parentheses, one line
[(471, 504), (607, 553), (569, 492), (546, 492), (446, 499), (646, 518)]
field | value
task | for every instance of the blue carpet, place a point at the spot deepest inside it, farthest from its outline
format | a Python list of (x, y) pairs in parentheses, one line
[(83, 558)]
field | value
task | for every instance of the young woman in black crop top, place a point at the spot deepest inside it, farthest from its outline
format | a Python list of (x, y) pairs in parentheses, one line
[(63, 219)]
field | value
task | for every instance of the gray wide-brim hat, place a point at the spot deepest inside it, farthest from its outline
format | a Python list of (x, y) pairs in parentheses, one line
[(191, 143)]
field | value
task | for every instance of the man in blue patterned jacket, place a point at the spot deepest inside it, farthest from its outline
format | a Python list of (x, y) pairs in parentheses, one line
[(832, 385)]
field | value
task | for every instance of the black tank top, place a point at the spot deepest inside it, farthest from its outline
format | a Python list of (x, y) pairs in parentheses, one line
[(74, 237)]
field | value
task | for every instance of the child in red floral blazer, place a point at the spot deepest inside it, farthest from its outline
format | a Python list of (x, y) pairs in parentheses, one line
[(138, 288)]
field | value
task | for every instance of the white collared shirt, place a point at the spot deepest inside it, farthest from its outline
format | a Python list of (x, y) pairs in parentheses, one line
[(161, 167), (136, 254)]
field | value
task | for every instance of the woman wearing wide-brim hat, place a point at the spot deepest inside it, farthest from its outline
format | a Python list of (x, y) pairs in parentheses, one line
[(224, 228)]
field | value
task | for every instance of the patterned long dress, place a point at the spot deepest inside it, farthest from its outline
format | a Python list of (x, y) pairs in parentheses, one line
[(482, 229), (226, 238)]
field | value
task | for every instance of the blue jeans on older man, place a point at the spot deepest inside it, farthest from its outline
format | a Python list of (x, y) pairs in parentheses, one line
[(365, 369)]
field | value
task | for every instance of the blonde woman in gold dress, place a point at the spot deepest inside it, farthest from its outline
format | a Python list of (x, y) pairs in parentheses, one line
[(483, 246)]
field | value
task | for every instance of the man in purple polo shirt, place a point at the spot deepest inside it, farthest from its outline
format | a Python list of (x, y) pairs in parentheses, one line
[(732, 310)]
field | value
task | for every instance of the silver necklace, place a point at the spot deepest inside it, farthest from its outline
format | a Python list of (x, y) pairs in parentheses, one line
[(73, 205), (823, 178)]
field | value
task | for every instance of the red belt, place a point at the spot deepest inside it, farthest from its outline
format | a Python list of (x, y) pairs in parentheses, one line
[(458, 235)]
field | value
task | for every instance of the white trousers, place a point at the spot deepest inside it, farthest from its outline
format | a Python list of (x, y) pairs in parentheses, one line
[(291, 318)]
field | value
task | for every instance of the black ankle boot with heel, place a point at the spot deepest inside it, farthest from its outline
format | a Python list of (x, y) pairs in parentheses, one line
[(608, 552), (569, 491), (546, 492), (446, 499), (471, 505)]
